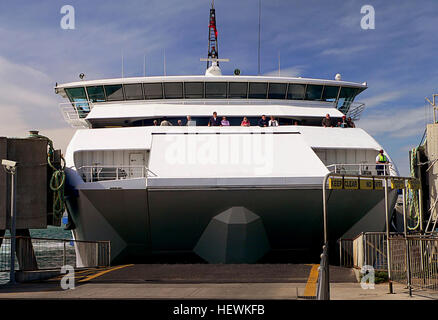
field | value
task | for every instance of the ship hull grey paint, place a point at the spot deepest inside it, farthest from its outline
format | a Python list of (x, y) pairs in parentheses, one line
[(144, 222)]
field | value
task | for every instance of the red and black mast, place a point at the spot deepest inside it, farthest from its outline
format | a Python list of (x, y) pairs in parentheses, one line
[(212, 36)]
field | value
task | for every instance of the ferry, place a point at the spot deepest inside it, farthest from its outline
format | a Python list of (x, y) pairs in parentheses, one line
[(151, 169)]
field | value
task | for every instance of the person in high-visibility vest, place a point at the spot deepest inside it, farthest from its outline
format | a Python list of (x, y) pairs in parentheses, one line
[(381, 160)]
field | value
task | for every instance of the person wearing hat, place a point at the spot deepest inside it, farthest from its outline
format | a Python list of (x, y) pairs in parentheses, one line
[(381, 160)]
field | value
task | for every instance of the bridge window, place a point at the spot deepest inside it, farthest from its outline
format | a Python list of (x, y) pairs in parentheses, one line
[(330, 93), (153, 90), (76, 94), (173, 90), (346, 96), (277, 90), (96, 94), (296, 91), (343, 96), (133, 91), (114, 92), (313, 92), (216, 90), (193, 90), (258, 90), (238, 90)]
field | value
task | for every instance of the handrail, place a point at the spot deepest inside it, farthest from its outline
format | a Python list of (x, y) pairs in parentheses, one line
[(93, 173), (326, 284), (365, 169), (75, 113)]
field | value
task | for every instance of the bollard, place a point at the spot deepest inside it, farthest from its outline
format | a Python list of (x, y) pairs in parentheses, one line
[(323, 287)]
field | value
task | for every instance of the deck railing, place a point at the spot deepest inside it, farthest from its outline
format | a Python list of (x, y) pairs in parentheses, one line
[(75, 112), (96, 173), (366, 169)]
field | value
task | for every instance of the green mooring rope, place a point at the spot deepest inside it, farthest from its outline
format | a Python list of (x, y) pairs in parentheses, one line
[(412, 196), (57, 181)]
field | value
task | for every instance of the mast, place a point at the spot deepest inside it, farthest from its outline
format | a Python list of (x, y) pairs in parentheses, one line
[(212, 36)]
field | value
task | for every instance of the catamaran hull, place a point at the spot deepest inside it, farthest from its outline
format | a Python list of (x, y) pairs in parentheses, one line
[(143, 223)]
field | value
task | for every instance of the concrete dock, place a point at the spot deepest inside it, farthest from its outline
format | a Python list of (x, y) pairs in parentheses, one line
[(203, 281)]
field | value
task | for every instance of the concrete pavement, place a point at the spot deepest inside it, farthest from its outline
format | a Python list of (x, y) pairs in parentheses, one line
[(204, 281)]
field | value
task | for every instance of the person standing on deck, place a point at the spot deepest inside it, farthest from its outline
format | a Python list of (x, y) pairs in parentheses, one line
[(214, 121), (381, 161), (327, 121)]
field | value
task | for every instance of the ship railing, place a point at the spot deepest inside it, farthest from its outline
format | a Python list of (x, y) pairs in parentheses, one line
[(365, 169), (50, 254), (97, 173), (353, 110), (75, 113)]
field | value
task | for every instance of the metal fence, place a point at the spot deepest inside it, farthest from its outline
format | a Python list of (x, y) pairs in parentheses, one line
[(43, 254), (414, 261), (368, 248)]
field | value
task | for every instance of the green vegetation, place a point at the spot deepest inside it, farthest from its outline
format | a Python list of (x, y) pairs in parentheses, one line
[(379, 277)]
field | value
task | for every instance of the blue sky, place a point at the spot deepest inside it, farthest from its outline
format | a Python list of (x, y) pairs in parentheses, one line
[(314, 38)]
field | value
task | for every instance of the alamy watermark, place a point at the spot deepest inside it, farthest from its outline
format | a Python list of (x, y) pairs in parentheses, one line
[(368, 21), (251, 152), (368, 279), (68, 281), (68, 19)]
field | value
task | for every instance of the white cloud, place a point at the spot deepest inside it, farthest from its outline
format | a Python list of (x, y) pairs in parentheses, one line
[(29, 103), (287, 72), (395, 123), (379, 99), (345, 51)]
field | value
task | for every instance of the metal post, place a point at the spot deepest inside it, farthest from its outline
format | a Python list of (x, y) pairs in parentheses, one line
[(340, 253), (13, 223), (325, 294), (420, 216), (388, 255), (109, 253), (405, 227), (97, 254), (64, 255)]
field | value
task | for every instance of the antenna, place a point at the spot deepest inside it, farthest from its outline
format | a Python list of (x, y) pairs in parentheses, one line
[(279, 68), (123, 71), (144, 65), (164, 62), (260, 15), (213, 56), (213, 51)]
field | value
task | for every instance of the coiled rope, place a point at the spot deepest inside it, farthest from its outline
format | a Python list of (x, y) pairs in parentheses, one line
[(412, 195), (57, 181)]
